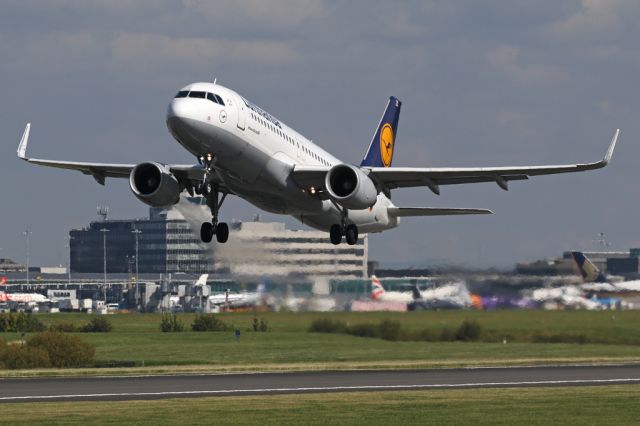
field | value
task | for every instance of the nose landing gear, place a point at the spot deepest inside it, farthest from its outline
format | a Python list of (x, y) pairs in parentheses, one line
[(214, 201)]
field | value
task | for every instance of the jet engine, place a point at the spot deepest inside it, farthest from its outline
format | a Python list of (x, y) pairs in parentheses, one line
[(154, 184), (350, 187)]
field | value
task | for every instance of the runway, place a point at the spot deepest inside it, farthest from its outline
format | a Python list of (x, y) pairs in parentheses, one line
[(156, 387)]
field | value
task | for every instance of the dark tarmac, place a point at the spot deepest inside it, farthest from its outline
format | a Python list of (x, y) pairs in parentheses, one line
[(181, 386)]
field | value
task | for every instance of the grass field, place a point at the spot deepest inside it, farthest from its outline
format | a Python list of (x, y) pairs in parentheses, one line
[(137, 337), (562, 405)]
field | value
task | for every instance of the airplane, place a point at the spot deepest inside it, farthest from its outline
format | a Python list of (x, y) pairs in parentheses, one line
[(243, 150), (379, 294), (447, 296), (22, 297), (240, 300), (594, 279)]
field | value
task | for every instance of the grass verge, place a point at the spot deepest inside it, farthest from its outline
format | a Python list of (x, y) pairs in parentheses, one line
[(561, 405)]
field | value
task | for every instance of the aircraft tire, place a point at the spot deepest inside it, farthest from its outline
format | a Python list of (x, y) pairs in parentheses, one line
[(206, 232), (335, 234), (222, 232), (351, 234)]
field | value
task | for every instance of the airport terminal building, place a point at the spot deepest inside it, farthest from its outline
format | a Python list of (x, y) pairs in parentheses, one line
[(166, 243)]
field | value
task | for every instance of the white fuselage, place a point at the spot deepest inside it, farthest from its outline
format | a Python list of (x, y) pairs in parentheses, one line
[(254, 154)]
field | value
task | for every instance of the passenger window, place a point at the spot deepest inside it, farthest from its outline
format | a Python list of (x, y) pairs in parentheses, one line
[(182, 94), (200, 95), (211, 97)]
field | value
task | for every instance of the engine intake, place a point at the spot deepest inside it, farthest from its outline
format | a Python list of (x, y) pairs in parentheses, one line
[(350, 187), (154, 184)]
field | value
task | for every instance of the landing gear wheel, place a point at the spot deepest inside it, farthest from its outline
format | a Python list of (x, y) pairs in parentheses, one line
[(222, 232), (335, 234), (206, 232), (351, 234)]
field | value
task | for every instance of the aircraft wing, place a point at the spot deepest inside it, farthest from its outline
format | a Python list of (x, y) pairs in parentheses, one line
[(403, 177), (188, 174), (433, 211)]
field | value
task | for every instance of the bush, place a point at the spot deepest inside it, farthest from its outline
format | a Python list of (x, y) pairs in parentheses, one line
[(208, 322), (97, 324), (20, 356), (63, 327), (364, 330), (20, 322), (327, 325), (390, 330), (170, 323), (64, 350), (469, 331), (260, 325)]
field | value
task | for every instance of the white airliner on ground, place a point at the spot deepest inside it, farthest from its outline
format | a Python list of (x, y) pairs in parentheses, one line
[(245, 151)]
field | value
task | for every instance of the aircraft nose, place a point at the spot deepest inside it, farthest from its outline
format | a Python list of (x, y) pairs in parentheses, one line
[(178, 108)]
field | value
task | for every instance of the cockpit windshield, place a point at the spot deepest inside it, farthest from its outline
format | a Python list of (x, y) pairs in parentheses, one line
[(201, 95)]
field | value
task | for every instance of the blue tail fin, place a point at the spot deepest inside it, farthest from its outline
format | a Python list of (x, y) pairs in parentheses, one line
[(588, 271), (380, 152)]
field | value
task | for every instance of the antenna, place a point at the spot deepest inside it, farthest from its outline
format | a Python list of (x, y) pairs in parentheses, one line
[(103, 212), (214, 80), (601, 241)]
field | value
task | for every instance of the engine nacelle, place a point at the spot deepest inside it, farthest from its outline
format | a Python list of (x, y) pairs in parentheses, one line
[(154, 185), (350, 187)]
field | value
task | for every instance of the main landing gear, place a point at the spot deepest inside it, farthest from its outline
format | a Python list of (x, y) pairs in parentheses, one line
[(214, 201), (350, 231)]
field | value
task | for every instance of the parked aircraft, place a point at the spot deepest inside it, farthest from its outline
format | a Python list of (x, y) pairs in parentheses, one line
[(245, 151), (596, 280)]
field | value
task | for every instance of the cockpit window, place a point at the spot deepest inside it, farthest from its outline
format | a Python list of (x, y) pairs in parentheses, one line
[(182, 94), (220, 101), (211, 97), (200, 95)]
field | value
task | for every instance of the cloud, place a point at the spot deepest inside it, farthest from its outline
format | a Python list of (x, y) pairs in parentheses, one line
[(265, 13), (146, 52)]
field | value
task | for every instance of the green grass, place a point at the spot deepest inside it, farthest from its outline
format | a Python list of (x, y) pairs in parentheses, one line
[(137, 337), (532, 406)]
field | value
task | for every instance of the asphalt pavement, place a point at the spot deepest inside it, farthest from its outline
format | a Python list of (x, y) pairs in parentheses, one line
[(174, 386)]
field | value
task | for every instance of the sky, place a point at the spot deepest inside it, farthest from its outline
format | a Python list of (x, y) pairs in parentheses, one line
[(489, 83)]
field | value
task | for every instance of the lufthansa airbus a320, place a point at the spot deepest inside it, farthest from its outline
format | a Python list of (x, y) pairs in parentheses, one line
[(243, 150)]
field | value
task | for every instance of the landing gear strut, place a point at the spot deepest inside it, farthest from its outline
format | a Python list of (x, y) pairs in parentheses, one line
[(214, 201), (350, 231)]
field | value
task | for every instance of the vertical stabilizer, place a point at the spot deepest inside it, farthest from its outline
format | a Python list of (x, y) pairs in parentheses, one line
[(588, 271), (377, 291), (380, 152)]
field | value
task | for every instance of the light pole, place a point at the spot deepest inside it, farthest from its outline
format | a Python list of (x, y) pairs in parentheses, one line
[(104, 258), (68, 246), (27, 234), (136, 233)]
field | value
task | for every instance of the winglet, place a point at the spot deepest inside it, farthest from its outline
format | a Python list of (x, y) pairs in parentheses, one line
[(22, 148), (612, 146)]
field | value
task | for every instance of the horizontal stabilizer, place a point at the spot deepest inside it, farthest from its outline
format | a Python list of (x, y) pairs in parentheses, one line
[(432, 211)]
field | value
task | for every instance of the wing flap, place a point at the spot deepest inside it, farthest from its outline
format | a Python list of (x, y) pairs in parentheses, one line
[(433, 211)]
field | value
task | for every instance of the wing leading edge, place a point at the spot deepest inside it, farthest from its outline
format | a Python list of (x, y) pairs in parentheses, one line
[(186, 173)]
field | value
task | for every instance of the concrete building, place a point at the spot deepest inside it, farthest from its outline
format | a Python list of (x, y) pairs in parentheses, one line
[(269, 249), (167, 243)]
